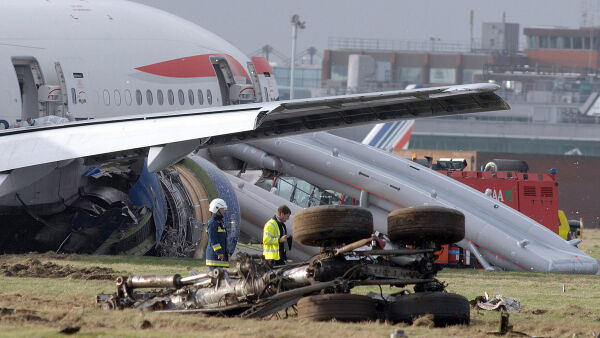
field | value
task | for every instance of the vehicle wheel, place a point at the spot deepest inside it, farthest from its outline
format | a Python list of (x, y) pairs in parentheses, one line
[(446, 308), (342, 307), (439, 224), (330, 225)]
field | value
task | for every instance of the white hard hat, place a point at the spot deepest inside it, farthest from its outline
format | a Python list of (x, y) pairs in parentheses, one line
[(217, 204)]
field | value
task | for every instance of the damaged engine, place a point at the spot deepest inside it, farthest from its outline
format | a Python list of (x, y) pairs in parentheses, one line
[(256, 289)]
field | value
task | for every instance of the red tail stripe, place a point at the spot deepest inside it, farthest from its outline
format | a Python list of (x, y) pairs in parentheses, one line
[(404, 140)]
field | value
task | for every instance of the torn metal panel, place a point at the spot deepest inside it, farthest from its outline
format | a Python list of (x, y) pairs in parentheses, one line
[(498, 303)]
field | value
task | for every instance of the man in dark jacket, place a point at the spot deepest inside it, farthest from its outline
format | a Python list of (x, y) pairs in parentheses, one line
[(216, 250)]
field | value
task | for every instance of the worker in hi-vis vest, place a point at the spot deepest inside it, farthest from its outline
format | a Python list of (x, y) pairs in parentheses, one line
[(216, 250), (275, 236)]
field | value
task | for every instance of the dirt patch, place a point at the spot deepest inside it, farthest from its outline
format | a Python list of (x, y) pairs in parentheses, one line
[(33, 267), (537, 311), (19, 316)]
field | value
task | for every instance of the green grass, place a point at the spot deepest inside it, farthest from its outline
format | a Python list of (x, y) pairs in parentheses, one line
[(136, 260), (57, 302), (591, 242), (50, 287)]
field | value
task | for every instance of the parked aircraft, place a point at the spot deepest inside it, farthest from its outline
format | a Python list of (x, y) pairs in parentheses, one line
[(390, 135), (103, 103)]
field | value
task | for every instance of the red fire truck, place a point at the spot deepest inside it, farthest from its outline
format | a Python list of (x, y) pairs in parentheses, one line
[(534, 195)]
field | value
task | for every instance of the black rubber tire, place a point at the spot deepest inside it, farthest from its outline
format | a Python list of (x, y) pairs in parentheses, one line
[(438, 224), (330, 225), (341, 307), (446, 308)]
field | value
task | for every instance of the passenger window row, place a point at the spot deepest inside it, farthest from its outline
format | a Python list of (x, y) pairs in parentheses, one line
[(160, 99)]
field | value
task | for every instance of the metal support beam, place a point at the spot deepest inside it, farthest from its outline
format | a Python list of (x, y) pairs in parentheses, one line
[(364, 199), (164, 156), (479, 257)]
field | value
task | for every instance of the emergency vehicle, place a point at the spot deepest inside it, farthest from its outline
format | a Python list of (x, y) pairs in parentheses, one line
[(507, 181)]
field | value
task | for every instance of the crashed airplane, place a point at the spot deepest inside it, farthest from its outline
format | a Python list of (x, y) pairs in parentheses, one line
[(103, 143)]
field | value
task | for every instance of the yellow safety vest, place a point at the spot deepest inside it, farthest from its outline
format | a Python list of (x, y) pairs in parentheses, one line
[(271, 240)]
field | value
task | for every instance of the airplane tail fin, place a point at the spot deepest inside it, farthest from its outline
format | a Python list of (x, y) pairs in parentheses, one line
[(390, 135)]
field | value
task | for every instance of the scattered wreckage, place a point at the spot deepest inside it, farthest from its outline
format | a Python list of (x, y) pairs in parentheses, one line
[(498, 303), (320, 288)]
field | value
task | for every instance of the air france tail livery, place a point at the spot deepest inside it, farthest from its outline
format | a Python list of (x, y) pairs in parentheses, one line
[(390, 135)]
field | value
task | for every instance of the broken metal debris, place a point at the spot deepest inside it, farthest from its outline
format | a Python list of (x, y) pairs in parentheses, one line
[(255, 289), (398, 334), (321, 286), (498, 303)]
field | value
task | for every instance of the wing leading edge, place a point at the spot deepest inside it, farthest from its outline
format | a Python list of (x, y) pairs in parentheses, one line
[(166, 137)]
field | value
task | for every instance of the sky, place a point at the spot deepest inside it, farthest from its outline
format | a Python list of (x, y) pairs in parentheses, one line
[(249, 25)]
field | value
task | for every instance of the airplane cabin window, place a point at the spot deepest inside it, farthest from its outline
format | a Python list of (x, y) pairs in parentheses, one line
[(117, 97), (159, 97), (127, 97), (208, 96), (106, 97), (149, 98), (138, 97), (171, 97), (200, 97), (181, 97), (73, 96), (191, 97)]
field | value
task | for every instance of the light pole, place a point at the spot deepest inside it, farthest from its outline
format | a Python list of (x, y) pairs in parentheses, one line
[(296, 23)]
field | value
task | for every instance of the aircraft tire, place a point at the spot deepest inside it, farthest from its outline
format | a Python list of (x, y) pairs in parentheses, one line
[(341, 307), (438, 224), (446, 308), (330, 226)]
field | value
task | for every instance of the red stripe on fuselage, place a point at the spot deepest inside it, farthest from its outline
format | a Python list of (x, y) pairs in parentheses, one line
[(262, 65), (192, 66), (187, 67), (236, 68)]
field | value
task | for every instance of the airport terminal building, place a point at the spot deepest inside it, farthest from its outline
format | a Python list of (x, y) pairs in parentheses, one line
[(551, 84)]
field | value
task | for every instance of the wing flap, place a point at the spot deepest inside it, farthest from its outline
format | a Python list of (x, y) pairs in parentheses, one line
[(26, 147), (317, 114)]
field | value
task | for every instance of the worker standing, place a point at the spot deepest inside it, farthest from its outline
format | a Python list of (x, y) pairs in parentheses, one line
[(216, 250), (275, 236)]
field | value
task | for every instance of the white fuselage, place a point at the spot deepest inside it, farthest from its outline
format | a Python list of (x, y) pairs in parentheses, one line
[(112, 60), (96, 59)]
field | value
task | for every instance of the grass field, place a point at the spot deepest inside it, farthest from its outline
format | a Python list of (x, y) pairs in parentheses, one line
[(36, 306)]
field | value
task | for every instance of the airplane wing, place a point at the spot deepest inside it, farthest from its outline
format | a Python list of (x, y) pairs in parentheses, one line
[(168, 137)]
